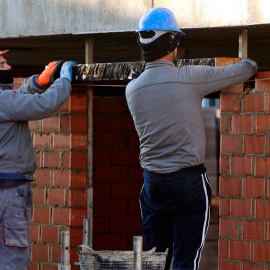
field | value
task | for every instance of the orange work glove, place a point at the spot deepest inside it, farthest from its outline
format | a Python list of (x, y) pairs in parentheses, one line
[(50, 74)]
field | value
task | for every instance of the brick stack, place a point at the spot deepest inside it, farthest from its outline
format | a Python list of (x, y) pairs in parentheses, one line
[(244, 242)]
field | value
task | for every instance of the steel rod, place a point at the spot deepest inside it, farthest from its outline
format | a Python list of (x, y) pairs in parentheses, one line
[(65, 251), (137, 250)]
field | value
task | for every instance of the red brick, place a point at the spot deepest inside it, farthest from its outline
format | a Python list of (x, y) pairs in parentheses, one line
[(33, 266), (40, 253), (262, 209), (65, 123), (43, 177), (254, 102), (35, 125), (61, 141), (225, 123), (66, 106), (77, 216), (79, 140), (136, 174), (111, 174), (241, 208), (223, 249), (240, 250), (56, 254), (134, 207), (223, 164), (78, 160), (241, 165), (229, 103), (101, 122), (100, 224), (262, 123), (122, 122), (261, 252), (38, 195), (224, 209), (125, 224), (50, 234), (56, 196), (237, 88), (76, 198), (60, 216), (51, 124), (253, 187), (41, 215), (262, 82), (51, 159), (78, 103), (42, 141), (76, 235), (242, 124), (229, 186), (254, 144), (61, 178), (134, 139), (126, 190), (34, 231), (262, 166), (229, 228), (45, 266), (102, 191), (110, 139), (227, 265), (101, 157), (78, 123), (109, 105), (254, 230), (115, 241), (66, 160), (230, 144), (38, 159), (126, 156), (110, 207), (78, 178), (249, 266)]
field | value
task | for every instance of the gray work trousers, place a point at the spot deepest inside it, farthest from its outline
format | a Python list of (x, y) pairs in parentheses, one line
[(15, 214)]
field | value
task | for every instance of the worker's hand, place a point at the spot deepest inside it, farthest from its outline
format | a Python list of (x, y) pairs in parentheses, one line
[(50, 74), (66, 70)]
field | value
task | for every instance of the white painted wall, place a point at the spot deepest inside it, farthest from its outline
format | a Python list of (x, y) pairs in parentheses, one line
[(56, 17)]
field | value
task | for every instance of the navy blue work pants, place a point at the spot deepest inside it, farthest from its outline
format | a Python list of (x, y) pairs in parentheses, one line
[(175, 214)]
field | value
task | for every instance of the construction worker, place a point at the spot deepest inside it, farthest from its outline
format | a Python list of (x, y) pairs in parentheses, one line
[(39, 98), (165, 103)]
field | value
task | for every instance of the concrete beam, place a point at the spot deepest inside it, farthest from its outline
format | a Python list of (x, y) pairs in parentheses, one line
[(47, 17)]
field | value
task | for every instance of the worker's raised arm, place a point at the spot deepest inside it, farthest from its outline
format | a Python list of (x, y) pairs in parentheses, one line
[(212, 79)]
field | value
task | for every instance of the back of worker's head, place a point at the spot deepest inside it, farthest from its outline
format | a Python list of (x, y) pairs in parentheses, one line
[(159, 33)]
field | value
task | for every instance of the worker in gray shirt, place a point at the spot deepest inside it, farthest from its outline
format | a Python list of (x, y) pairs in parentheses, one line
[(39, 98), (165, 103)]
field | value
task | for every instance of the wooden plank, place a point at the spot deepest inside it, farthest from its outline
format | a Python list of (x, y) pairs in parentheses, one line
[(243, 44), (226, 61)]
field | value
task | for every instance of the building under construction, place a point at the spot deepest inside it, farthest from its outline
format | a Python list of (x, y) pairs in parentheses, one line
[(88, 152)]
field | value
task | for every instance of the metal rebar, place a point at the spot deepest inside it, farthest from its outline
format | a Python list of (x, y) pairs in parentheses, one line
[(137, 250), (65, 251), (86, 232)]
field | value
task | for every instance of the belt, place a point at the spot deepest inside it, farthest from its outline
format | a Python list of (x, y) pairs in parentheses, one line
[(10, 183)]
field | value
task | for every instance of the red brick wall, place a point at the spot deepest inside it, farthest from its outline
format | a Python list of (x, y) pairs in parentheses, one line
[(117, 176), (59, 194), (244, 242)]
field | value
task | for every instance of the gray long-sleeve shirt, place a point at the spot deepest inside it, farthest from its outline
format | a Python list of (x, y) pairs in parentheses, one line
[(165, 103), (29, 102)]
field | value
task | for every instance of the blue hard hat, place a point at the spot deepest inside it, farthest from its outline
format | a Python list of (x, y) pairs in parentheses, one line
[(159, 19)]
